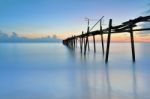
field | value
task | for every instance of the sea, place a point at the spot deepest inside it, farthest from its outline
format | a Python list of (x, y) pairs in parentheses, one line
[(54, 71)]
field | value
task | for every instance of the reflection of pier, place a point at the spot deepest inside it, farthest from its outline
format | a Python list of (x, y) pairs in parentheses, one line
[(124, 27), (99, 83), (134, 82), (108, 81)]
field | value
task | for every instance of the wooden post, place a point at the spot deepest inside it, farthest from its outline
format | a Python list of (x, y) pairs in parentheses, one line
[(102, 40), (84, 40), (108, 40), (72, 41), (81, 43), (85, 46), (101, 32), (87, 41), (94, 43), (88, 44), (132, 43), (76, 41)]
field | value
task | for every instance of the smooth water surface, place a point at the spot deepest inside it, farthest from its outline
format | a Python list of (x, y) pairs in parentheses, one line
[(53, 71)]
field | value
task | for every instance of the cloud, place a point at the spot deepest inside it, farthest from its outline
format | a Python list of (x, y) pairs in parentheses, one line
[(4, 37), (145, 33), (146, 24)]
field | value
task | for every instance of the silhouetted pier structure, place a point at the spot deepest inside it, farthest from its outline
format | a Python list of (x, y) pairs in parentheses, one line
[(124, 27)]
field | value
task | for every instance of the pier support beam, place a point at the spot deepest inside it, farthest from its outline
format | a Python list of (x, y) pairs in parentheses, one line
[(88, 44), (81, 43), (108, 40), (102, 41), (94, 43), (74, 41), (86, 41), (101, 32), (132, 43)]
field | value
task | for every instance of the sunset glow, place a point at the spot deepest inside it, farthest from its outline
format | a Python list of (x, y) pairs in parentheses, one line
[(42, 18)]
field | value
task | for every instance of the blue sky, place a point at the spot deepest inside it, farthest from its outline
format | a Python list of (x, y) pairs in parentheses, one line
[(63, 16)]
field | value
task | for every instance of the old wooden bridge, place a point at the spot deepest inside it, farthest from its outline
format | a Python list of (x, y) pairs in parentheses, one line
[(127, 26)]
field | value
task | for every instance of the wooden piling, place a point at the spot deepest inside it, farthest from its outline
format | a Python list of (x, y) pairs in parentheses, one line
[(102, 41), (88, 44), (101, 33), (86, 41), (108, 40), (81, 43), (132, 43), (85, 45), (76, 42), (72, 42), (94, 43)]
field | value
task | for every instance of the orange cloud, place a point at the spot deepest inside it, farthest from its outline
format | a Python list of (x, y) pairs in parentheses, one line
[(124, 37)]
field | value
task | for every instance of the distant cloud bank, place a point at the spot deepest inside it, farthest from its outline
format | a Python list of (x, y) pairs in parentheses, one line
[(4, 37)]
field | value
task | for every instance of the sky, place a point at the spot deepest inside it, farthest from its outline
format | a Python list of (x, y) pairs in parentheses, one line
[(40, 18)]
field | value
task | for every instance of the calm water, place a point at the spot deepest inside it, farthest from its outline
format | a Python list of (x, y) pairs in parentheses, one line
[(52, 71)]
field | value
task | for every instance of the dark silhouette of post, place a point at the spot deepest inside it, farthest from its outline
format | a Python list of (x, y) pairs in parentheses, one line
[(102, 40), (101, 32), (108, 40), (94, 43), (73, 42), (88, 44), (76, 41), (132, 43), (81, 42), (87, 40)]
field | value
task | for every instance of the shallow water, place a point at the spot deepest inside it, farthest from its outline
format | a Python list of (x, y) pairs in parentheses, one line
[(52, 71)]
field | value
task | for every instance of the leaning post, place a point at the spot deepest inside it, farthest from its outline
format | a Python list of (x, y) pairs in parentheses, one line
[(102, 40), (108, 40), (94, 43), (132, 43)]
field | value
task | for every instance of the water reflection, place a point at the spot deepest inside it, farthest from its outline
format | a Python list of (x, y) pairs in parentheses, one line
[(94, 86), (98, 82), (72, 76), (108, 81), (134, 81)]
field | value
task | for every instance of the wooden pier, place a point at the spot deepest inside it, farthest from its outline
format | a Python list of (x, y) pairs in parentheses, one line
[(127, 26)]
